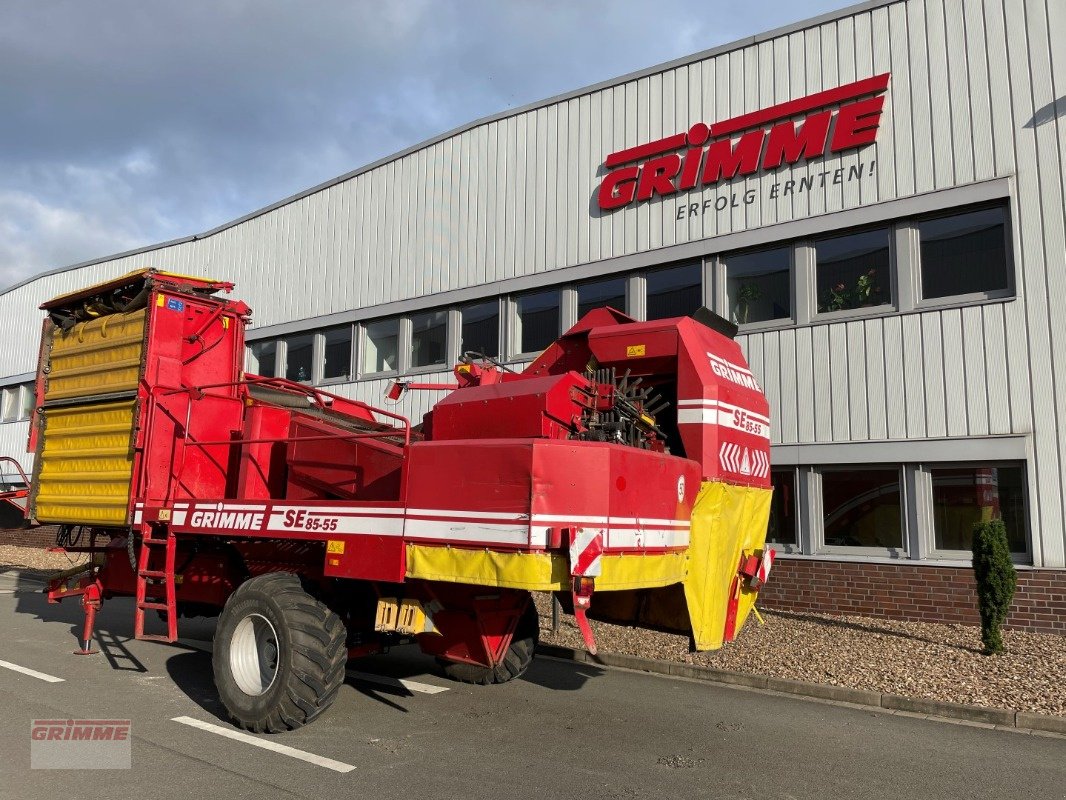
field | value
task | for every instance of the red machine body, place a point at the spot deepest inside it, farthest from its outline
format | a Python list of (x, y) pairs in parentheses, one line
[(514, 480)]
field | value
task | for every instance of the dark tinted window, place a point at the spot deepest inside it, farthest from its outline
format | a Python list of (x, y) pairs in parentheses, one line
[(381, 346), (299, 357), (538, 320), (429, 338), (337, 346), (759, 285), (853, 271), (674, 292), (480, 331), (964, 496), (261, 358), (964, 253), (782, 528), (862, 508), (610, 293)]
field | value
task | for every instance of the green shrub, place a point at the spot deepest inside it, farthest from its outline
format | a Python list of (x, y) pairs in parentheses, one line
[(996, 580)]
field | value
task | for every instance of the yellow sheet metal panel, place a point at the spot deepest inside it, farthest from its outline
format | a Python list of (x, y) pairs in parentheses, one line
[(84, 465), (96, 357)]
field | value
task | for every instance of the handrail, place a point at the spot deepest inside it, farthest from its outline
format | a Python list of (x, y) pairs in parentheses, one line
[(285, 385), (295, 388), (18, 467)]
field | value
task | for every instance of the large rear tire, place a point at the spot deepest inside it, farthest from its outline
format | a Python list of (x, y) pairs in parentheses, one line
[(279, 655), (515, 661)]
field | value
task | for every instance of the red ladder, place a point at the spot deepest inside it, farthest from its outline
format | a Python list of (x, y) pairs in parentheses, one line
[(149, 587)]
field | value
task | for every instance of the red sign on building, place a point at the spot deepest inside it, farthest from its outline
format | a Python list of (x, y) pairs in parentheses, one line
[(832, 121)]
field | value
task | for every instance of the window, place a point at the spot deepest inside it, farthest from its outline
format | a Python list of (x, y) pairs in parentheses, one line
[(759, 285), (538, 320), (964, 496), (862, 507), (480, 329), (382, 346), (9, 404), (854, 271), (262, 357), (337, 353), (674, 292), (429, 338), (601, 293), (29, 399), (964, 253), (782, 528), (299, 357)]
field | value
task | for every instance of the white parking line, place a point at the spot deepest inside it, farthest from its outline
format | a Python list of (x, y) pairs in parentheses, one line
[(266, 744), (406, 683), (44, 676)]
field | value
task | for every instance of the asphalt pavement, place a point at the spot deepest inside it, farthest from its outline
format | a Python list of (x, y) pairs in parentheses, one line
[(399, 729)]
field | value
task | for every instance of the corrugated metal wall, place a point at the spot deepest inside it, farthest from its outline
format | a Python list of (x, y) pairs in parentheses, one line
[(972, 97)]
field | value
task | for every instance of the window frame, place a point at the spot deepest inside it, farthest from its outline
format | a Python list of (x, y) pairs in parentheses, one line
[(565, 307), (910, 226), (405, 357), (460, 308), (277, 354), (697, 264), (721, 294), (791, 548), (623, 277), (283, 362), (320, 357), (930, 551), (896, 305), (816, 487), (400, 326)]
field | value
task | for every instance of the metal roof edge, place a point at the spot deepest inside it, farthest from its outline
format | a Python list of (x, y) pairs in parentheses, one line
[(811, 22)]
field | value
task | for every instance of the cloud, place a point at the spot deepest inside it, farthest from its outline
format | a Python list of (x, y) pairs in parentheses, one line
[(128, 122)]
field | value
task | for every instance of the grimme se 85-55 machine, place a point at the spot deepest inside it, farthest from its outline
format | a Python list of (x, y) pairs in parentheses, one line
[(626, 469)]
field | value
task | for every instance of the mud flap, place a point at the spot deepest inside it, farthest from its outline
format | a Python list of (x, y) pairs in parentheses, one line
[(728, 522)]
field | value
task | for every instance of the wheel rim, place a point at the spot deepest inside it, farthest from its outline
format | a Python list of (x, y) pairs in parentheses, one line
[(253, 654)]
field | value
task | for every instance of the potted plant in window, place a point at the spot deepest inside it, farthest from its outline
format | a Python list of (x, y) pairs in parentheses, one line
[(838, 299), (867, 292), (747, 294)]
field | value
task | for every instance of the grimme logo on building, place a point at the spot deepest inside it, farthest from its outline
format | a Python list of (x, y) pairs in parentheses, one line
[(836, 120)]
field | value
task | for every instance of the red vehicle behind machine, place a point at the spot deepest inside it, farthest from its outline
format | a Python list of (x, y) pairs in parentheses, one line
[(626, 469)]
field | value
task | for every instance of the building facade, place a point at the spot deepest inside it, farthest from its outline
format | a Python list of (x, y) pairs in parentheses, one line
[(874, 196)]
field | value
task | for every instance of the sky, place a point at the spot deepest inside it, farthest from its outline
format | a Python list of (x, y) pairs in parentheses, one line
[(130, 122)]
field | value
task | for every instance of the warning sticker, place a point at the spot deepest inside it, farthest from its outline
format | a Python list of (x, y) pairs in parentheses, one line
[(635, 350), (335, 546)]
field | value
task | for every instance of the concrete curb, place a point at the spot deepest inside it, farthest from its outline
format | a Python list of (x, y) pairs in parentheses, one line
[(990, 717)]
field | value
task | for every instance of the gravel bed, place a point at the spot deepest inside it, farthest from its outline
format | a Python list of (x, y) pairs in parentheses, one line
[(36, 560), (915, 659)]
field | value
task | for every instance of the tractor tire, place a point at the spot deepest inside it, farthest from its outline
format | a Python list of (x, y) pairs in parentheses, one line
[(515, 661), (279, 655)]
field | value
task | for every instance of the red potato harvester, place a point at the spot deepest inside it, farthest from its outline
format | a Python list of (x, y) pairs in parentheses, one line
[(626, 469)]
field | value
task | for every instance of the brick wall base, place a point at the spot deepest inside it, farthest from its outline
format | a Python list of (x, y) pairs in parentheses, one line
[(909, 592), (44, 536)]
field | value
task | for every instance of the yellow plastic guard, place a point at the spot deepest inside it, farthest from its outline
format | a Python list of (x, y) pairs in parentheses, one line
[(727, 521), (100, 356), (85, 464)]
